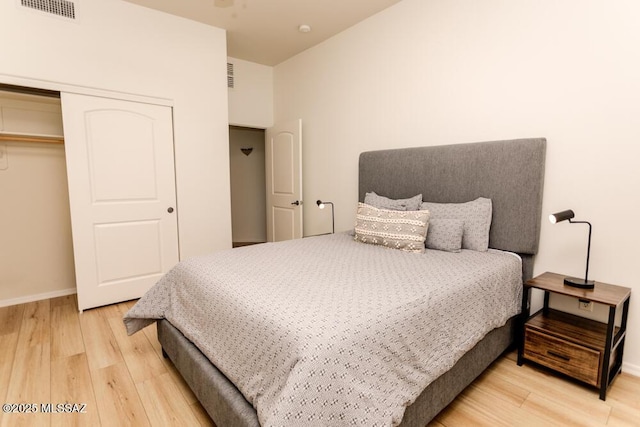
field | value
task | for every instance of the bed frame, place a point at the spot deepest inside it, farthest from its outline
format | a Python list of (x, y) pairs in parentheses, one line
[(510, 173)]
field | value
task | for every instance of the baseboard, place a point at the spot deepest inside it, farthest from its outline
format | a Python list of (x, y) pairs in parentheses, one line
[(631, 369), (37, 297)]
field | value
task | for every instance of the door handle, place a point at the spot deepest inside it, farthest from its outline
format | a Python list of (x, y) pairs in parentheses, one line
[(297, 202), (170, 210), (558, 355)]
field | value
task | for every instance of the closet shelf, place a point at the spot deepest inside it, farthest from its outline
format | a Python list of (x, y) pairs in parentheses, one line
[(14, 137)]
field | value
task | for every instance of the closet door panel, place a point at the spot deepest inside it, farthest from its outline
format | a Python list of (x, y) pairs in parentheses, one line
[(120, 243), (136, 177), (120, 170)]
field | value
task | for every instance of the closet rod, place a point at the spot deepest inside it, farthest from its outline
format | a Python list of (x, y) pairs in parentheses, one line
[(8, 137)]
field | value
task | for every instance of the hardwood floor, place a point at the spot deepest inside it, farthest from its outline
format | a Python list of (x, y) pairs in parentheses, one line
[(50, 353)]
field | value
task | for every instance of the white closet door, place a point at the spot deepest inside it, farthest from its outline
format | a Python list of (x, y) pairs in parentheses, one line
[(122, 196)]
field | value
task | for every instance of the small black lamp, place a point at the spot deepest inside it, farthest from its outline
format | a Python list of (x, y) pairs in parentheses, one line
[(574, 281), (321, 205)]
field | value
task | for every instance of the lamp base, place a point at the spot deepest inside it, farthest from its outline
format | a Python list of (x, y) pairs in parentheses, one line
[(579, 283)]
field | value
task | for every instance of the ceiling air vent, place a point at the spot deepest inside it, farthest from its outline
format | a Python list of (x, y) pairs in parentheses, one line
[(230, 79), (63, 8)]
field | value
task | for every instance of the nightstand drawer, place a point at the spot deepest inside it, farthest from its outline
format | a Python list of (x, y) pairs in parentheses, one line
[(563, 356)]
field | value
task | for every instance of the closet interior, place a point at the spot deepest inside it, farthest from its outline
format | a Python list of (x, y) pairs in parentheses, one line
[(36, 251)]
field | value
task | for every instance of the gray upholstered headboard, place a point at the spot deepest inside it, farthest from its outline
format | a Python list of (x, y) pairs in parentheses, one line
[(510, 173)]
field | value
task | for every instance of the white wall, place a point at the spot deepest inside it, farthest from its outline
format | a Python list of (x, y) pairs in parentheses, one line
[(122, 47), (427, 72), (251, 98)]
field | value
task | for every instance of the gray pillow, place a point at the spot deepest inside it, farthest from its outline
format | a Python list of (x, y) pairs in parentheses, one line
[(476, 216), (404, 230), (445, 234), (381, 202)]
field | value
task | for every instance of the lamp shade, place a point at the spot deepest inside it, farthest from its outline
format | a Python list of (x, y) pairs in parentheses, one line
[(561, 216)]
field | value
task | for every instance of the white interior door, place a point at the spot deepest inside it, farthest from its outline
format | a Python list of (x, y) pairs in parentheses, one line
[(122, 196), (283, 158)]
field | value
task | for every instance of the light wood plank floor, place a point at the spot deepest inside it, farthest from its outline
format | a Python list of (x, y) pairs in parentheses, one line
[(50, 353)]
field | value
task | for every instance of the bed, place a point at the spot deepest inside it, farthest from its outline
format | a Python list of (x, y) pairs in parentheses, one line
[(508, 173)]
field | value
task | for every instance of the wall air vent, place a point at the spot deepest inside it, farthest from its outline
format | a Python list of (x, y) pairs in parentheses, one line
[(63, 8), (230, 78)]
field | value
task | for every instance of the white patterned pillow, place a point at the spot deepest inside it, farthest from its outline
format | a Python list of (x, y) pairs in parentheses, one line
[(404, 230), (445, 234), (476, 216), (381, 202)]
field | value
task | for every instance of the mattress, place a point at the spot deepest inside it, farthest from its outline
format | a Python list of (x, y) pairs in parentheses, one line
[(328, 331)]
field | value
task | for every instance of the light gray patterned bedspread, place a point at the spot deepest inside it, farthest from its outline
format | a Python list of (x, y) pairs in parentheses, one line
[(325, 331)]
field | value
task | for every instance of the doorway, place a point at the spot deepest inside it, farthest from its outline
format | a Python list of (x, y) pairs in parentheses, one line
[(248, 186)]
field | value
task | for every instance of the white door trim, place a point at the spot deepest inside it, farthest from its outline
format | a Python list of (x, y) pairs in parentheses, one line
[(82, 90)]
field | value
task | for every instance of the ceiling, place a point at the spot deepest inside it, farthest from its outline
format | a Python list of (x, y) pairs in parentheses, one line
[(266, 31)]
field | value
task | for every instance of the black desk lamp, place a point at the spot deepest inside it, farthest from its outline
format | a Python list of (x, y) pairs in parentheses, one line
[(321, 205), (574, 281)]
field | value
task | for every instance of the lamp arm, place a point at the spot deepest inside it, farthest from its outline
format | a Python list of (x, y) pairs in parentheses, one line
[(333, 221), (321, 205), (586, 274)]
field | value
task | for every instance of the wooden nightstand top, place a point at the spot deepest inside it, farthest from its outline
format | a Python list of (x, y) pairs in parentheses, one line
[(603, 293)]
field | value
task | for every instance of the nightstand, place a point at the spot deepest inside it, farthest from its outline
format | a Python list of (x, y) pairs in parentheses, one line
[(584, 349)]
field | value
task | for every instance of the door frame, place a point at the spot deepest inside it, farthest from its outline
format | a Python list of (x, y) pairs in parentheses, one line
[(82, 90)]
